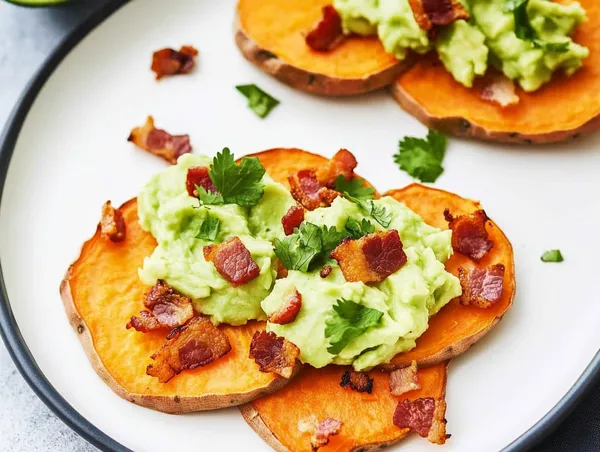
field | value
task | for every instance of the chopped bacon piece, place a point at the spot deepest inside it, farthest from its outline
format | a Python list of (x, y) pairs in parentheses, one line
[(371, 258), (159, 142), (326, 428), (199, 176), (501, 90), (288, 310), (357, 381), (327, 33), (273, 353), (327, 195), (195, 344), (282, 272), (424, 416), (305, 188), (469, 236), (432, 14), (482, 287), (342, 163), (168, 309), (325, 271), (170, 62), (292, 219), (404, 380), (233, 261), (112, 224)]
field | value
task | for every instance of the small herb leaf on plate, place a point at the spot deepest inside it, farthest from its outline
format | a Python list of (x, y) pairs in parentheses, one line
[(422, 158), (259, 101), (552, 256)]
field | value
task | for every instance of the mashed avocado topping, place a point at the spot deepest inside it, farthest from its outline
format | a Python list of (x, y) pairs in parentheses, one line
[(339, 322), (528, 40)]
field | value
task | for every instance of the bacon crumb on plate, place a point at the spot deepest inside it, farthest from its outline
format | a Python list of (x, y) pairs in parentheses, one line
[(327, 428), (469, 235), (404, 380), (274, 354), (482, 287), (159, 142), (112, 224), (233, 261), (170, 61), (357, 381)]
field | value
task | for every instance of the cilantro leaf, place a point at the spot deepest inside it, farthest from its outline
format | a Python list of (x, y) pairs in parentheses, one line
[(354, 188), (209, 229), (308, 247), (346, 322), (552, 256), (525, 31), (422, 158), (381, 215), (358, 230), (236, 184), (259, 101)]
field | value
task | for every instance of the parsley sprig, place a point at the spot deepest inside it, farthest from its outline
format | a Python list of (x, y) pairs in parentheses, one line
[(236, 184), (259, 101), (347, 321), (209, 228), (526, 32), (355, 191), (422, 158), (356, 229)]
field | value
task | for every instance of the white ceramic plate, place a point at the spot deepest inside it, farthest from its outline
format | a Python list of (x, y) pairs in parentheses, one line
[(71, 155)]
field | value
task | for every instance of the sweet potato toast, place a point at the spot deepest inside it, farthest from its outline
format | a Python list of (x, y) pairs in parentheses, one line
[(101, 291), (271, 35), (366, 418), (565, 108)]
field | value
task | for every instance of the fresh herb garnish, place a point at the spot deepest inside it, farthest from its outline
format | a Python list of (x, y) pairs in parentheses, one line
[(308, 247), (552, 256), (357, 229), (259, 102), (209, 229), (346, 322), (353, 190), (236, 184), (422, 158), (525, 31)]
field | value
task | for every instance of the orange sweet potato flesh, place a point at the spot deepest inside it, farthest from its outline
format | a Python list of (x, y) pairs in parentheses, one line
[(102, 291), (567, 107), (271, 34), (366, 418)]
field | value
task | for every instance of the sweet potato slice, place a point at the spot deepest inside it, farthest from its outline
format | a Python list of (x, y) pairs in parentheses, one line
[(101, 291), (271, 35), (456, 327), (367, 419), (567, 107)]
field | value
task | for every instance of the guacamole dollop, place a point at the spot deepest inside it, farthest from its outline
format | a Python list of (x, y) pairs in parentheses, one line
[(467, 48)]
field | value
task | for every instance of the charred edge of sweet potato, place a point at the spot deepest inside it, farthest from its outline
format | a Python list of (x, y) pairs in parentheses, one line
[(167, 404), (313, 82)]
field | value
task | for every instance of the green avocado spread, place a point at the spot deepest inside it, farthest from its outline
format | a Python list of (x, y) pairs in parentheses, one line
[(339, 322), (528, 40)]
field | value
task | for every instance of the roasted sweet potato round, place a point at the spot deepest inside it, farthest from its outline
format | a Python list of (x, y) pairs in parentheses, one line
[(271, 35), (367, 419), (565, 108)]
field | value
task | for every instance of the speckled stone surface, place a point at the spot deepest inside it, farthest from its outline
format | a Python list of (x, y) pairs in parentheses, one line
[(26, 37)]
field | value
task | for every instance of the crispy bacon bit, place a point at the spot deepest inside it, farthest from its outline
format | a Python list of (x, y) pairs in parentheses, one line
[(404, 380), (325, 271), (482, 287), (371, 258), (170, 62), (327, 195), (112, 224), (288, 310), (199, 175), (357, 381), (501, 90), (282, 272), (433, 14), (159, 142), (233, 261), (342, 163), (424, 416), (326, 428), (292, 219), (327, 33), (305, 188), (168, 309), (195, 344), (273, 354), (469, 236)]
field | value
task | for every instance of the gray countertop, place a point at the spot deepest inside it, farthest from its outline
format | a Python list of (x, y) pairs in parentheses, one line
[(27, 35)]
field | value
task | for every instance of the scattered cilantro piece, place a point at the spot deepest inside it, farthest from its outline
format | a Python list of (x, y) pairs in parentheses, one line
[(552, 256), (354, 188), (209, 229), (526, 32), (346, 322), (358, 230), (422, 158), (237, 184), (308, 247), (259, 102), (380, 215)]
